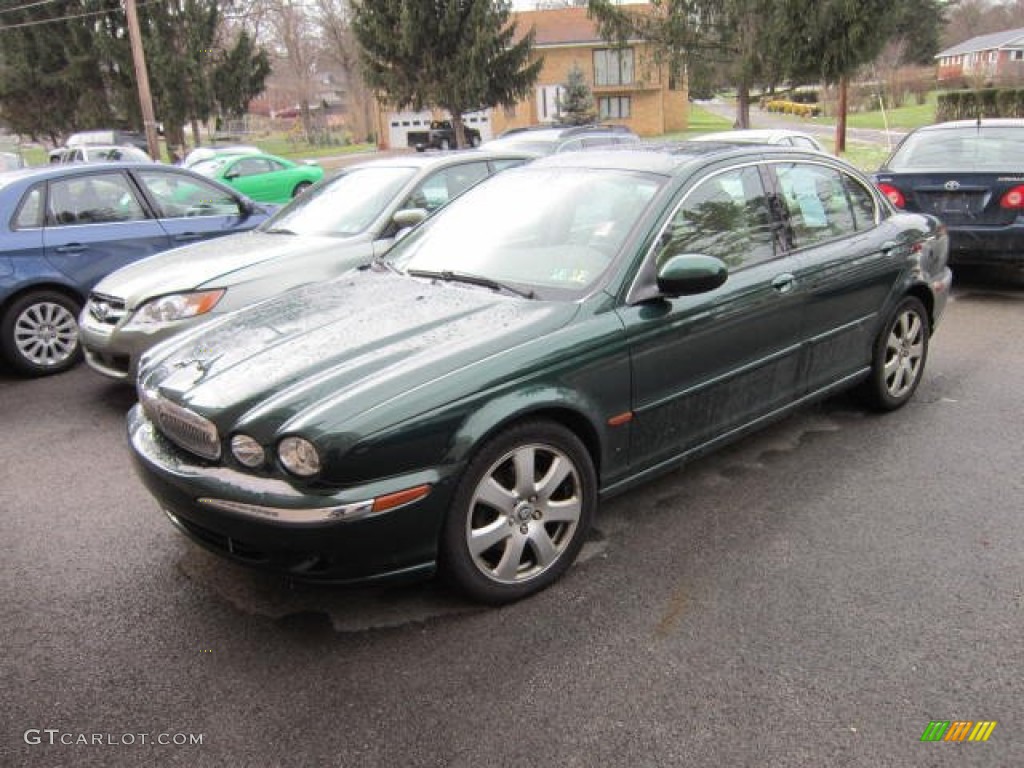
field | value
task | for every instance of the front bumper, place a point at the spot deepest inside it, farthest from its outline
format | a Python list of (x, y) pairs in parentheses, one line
[(267, 523), (114, 351)]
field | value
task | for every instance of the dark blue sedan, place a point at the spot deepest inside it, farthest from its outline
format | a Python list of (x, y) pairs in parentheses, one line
[(64, 228)]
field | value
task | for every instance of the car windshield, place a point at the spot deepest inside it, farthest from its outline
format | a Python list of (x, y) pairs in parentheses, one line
[(345, 206), (984, 148), (558, 245)]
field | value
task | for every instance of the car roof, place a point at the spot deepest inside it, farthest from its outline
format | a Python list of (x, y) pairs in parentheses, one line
[(985, 122), (752, 134), (436, 159), (667, 158), (75, 169)]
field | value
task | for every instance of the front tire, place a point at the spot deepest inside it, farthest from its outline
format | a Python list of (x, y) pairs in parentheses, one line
[(899, 357), (301, 187), (520, 513), (39, 333)]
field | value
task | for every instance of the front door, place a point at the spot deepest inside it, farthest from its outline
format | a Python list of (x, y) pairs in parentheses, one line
[(706, 365)]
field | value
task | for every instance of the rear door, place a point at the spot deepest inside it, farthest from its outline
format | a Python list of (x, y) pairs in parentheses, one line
[(95, 223), (850, 260)]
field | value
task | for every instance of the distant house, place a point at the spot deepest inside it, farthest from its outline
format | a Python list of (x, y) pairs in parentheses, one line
[(995, 57), (628, 86)]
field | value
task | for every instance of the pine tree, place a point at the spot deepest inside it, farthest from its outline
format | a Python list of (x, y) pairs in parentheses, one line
[(458, 55), (576, 102)]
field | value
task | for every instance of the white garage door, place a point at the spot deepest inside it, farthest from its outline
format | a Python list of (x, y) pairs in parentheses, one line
[(401, 124)]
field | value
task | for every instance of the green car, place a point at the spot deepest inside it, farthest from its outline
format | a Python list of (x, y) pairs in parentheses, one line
[(557, 334), (267, 178)]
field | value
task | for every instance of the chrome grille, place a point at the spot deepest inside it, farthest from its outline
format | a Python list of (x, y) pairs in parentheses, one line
[(182, 427), (107, 310)]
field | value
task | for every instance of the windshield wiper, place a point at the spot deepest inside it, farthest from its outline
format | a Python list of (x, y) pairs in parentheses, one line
[(464, 277)]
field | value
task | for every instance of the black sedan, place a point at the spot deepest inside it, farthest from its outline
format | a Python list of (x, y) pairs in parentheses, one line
[(970, 174), (558, 334)]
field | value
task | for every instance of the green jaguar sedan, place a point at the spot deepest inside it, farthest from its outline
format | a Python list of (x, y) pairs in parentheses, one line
[(558, 334), (266, 178)]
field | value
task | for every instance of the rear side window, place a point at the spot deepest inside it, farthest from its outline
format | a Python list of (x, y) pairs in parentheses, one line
[(101, 198), (823, 203)]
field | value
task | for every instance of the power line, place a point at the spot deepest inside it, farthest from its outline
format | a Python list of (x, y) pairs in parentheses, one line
[(71, 17), (28, 5)]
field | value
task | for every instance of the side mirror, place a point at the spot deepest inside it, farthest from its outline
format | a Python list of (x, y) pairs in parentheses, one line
[(409, 217), (232, 175), (687, 274)]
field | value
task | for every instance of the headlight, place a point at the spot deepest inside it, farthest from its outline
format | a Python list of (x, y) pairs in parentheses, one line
[(299, 456), (247, 451), (177, 306)]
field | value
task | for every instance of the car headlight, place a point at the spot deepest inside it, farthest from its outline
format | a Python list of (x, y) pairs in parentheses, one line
[(299, 456), (247, 451), (177, 306)]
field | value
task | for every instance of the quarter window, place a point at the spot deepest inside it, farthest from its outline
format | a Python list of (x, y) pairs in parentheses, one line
[(30, 214), (726, 216)]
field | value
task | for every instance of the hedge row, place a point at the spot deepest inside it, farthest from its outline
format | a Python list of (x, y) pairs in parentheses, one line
[(792, 108), (985, 102)]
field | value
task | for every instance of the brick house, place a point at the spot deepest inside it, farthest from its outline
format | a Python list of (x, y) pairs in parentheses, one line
[(998, 57), (628, 87)]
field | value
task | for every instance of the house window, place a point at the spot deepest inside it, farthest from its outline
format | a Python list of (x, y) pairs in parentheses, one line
[(1016, 55), (613, 107), (613, 66)]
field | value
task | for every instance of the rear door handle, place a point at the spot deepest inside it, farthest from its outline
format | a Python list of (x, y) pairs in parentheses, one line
[(784, 283), (185, 236), (70, 248)]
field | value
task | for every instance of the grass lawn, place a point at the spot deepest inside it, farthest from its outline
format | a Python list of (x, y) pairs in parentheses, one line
[(904, 118)]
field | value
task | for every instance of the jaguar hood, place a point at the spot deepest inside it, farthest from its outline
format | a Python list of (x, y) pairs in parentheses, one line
[(337, 350)]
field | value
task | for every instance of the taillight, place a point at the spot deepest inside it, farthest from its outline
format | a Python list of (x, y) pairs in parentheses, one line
[(1013, 199), (894, 195)]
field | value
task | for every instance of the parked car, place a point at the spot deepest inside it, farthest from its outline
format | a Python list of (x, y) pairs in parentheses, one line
[(10, 161), (205, 153), (468, 406), (262, 177), (442, 136), (551, 139), (99, 153), (64, 227), (339, 225), (115, 136), (780, 136), (970, 174)]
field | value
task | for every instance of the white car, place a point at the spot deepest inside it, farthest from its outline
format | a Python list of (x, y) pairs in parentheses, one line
[(99, 153), (778, 136)]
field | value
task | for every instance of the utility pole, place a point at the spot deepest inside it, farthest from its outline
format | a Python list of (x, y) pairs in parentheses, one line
[(142, 77)]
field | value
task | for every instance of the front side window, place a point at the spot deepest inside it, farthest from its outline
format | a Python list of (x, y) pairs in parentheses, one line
[(823, 203), (180, 196), (101, 198), (727, 216), (613, 66), (250, 166), (446, 184)]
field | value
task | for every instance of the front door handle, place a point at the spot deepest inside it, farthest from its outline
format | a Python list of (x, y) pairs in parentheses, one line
[(784, 283), (186, 236), (70, 248)]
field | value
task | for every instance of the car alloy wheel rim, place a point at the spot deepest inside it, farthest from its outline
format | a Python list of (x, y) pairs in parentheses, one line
[(524, 513), (46, 334), (903, 354)]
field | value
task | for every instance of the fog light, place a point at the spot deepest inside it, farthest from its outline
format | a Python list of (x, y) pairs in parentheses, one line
[(247, 451)]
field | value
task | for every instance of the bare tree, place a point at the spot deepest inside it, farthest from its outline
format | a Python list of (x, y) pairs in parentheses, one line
[(342, 51)]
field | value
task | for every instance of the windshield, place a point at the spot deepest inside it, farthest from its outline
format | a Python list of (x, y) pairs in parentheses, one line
[(963, 148), (347, 205), (550, 230)]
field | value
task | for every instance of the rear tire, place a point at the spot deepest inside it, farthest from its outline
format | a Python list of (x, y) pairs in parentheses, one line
[(39, 333), (899, 357), (520, 513)]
